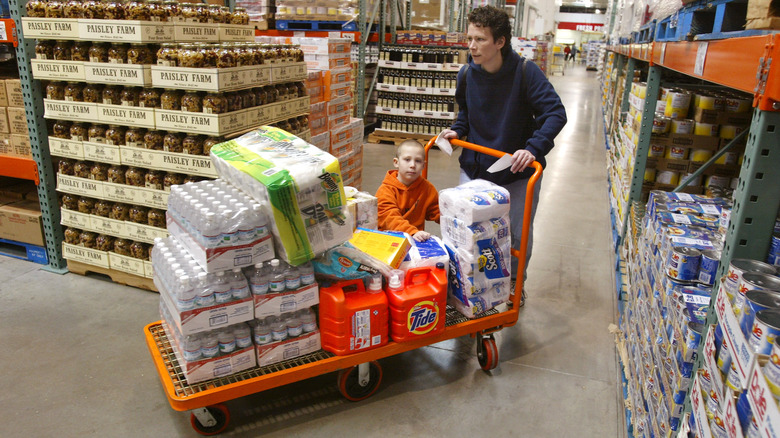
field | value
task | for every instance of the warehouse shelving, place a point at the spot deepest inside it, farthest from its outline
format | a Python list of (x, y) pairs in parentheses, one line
[(18, 167)]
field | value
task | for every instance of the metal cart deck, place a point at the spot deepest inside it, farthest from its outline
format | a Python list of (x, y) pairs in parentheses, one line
[(360, 373)]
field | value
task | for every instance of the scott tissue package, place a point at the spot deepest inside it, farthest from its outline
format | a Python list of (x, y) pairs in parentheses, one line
[(475, 201), (427, 253), (299, 185)]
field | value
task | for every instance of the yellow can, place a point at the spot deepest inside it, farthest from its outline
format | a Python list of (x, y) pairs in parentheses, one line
[(708, 129), (660, 106), (667, 177), (661, 124), (677, 104), (730, 131), (737, 105), (729, 158), (707, 101), (700, 155), (682, 126), (696, 181), (717, 181), (676, 153), (649, 175), (641, 89), (656, 151)]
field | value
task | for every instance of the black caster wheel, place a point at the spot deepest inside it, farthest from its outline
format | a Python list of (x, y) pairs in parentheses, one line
[(220, 417), (353, 389)]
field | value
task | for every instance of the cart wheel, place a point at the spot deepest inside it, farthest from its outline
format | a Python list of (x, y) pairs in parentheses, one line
[(349, 382), (487, 352), (219, 413)]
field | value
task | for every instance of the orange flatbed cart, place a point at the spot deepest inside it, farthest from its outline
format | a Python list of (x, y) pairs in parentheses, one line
[(359, 374)]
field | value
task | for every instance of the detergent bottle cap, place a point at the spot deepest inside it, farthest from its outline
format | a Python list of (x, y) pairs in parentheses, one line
[(396, 280), (375, 284)]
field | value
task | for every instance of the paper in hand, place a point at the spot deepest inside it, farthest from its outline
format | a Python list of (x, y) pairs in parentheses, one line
[(444, 145), (502, 163)]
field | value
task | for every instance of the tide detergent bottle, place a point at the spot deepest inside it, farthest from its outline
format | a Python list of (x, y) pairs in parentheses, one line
[(351, 318), (418, 304)]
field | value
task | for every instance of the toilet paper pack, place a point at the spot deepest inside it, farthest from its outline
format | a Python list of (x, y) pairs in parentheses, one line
[(475, 201), (299, 185), (364, 208), (474, 294)]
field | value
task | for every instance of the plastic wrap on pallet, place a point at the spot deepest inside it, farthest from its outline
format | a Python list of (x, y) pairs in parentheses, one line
[(664, 8)]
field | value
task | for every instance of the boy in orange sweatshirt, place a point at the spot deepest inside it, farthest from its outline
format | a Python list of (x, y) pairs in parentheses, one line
[(406, 200)]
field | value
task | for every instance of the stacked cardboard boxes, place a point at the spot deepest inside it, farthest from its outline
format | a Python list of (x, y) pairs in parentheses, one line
[(14, 137)]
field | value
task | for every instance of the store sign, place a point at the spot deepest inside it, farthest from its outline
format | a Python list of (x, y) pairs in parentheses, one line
[(582, 27)]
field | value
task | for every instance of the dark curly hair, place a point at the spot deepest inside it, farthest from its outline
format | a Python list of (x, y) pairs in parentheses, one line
[(498, 21)]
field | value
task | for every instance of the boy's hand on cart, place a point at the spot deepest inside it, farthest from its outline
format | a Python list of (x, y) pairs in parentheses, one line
[(521, 159), (421, 236)]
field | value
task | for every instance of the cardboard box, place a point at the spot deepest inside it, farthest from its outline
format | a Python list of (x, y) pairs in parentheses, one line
[(5, 127), (290, 301), (327, 62), (288, 349), (337, 76), (21, 145), (21, 222), (353, 129), (390, 248), (13, 88), (722, 117), (6, 148), (3, 96), (339, 119), (687, 141), (17, 120), (85, 255), (203, 319), (325, 46)]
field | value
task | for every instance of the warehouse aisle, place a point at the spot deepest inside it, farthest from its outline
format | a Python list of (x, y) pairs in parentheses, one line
[(76, 363)]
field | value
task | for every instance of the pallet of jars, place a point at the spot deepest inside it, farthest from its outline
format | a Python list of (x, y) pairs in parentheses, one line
[(115, 219), (135, 21), (174, 153), (208, 113), (107, 252)]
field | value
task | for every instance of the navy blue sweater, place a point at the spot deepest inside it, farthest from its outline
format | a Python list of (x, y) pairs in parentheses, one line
[(497, 111)]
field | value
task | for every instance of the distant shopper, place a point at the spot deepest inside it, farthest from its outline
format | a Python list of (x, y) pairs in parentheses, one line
[(406, 199), (566, 52), (505, 103), (574, 52)]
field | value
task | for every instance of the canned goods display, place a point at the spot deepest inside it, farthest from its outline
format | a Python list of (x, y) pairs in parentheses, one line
[(668, 177), (737, 267), (683, 263), (708, 129), (755, 301), (708, 268), (656, 151), (676, 153), (773, 258), (677, 104), (700, 155), (661, 124), (772, 370), (683, 126), (766, 328)]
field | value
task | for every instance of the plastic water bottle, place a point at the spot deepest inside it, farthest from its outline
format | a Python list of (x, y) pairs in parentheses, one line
[(238, 285), (278, 329), (205, 296), (293, 323), (227, 341), (246, 228), (278, 282), (243, 335), (258, 281), (185, 298), (307, 274), (228, 227), (191, 348), (292, 278), (209, 345), (308, 320), (210, 229), (221, 287), (259, 220), (262, 332)]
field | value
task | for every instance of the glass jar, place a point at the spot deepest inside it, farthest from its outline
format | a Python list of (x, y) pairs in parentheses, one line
[(104, 242), (156, 218), (149, 98), (94, 9), (210, 55), (103, 207), (36, 8), (139, 214), (157, 12), (119, 211), (227, 14), (55, 90), (117, 53), (295, 127), (70, 201), (215, 14), (261, 97), (79, 132), (191, 55), (244, 56), (202, 11), (115, 135), (55, 9), (80, 51), (139, 250), (129, 96), (257, 53), (135, 176), (74, 92), (72, 235), (61, 129), (214, 103), (210, 142), (284, 125), (98, 52), (226, 56), (88, 239), (172, 142), (301, 89), (44, 49), (99, 172), (170, 99), (93, 93), (191, 101), (172, 10), (172, 179), (65, 167), (283, 92), (116, 174), (193, 179), (268, 53), (192, 144), (62, 50), (234, 102), (134, 137), (239, 16), (97, 133), (272, 94), (112, 95), (122, 246), (154, 179), (86, 205), (168, 55), (248, 99), (115, 10), (74, 9), (298, 54), (139, 54), (188, 12), (137, 10), (153, 139), (81, 169)]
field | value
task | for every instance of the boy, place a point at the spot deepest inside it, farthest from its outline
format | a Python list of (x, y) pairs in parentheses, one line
[(406, 200)]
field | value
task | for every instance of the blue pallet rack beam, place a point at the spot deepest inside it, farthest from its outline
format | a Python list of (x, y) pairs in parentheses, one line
[(24, 251)]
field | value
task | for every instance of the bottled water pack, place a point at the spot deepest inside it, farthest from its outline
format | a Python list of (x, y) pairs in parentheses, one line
[(288, 325)]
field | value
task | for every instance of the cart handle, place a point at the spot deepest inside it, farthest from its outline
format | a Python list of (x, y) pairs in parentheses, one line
[(529, 199)]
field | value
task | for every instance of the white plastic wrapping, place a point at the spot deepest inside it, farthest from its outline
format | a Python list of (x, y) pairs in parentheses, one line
[(475, 201), (427, 253)]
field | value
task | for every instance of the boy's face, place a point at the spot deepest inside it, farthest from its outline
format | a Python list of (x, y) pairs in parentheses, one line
[(410, 163)]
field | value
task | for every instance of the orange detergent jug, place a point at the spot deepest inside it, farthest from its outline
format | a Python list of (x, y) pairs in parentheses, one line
[(418, 305), (351, 318)]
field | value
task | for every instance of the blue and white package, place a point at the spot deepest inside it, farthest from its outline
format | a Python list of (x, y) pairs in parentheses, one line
[(471, 298), (465, 236), (427, 253), (475, 201), (345, 262)]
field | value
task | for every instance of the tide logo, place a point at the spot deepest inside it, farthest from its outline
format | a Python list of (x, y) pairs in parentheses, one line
[(423, 317)]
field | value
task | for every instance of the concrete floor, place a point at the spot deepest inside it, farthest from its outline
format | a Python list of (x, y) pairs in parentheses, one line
[(75, 362)]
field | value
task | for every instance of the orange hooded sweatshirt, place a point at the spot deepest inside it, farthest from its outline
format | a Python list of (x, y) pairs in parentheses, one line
[(406, 209)]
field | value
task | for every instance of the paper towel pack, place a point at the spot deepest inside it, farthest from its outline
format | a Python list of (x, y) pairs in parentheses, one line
[(364, 208), (427, 253), (299, 185), (475, 201)]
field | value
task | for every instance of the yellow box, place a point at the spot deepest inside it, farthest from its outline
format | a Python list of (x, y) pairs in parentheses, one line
[(388, 247)]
